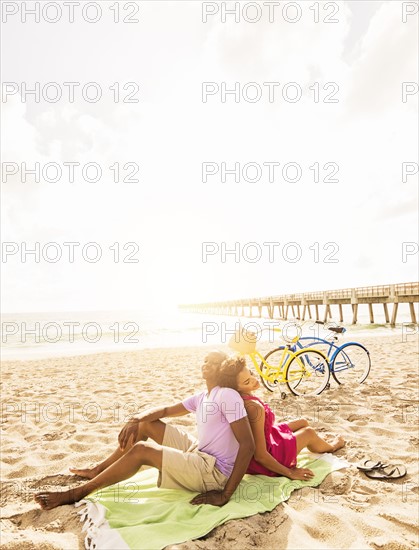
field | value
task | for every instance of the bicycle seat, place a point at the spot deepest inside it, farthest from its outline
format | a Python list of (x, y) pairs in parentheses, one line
[(338, 330)]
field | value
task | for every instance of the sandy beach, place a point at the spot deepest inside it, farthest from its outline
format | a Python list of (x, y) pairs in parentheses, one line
[(65, 412)]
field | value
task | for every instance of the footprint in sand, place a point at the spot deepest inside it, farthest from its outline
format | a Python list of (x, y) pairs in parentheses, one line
[(9, 459), (400, 520), (360, 419), (56, 526), (54, 480), (337, 483), (389, 543), (361, 488), (81, 437), (58, 456), (23, 471), (52, 436), (80, 447)]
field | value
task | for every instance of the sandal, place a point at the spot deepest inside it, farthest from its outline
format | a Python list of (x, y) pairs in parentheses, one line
[(372, 466), (391, 471)]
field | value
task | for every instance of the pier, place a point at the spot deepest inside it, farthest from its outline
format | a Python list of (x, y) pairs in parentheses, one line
[(318, 305)]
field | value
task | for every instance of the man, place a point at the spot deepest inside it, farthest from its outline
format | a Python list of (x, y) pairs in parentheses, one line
[(214, 465)]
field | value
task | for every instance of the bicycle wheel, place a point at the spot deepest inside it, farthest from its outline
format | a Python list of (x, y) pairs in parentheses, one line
[(322, 345), (276, 361), (351, 364), (307, 373)]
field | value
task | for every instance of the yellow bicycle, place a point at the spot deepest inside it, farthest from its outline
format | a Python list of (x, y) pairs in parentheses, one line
[(305, 371)]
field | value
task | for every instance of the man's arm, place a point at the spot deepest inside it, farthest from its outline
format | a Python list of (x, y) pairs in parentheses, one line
[(243, 434), (160, 412), (131, 427)]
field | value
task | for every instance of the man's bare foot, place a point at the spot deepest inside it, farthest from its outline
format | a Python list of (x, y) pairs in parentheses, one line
[(338, 443), (88, 473), (47, 501)]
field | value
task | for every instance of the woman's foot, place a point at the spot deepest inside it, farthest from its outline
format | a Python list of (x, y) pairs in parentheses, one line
[(88, 473), (47, 501), (337, 443)]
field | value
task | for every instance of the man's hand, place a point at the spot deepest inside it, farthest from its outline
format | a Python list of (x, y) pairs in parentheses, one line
[(129, 431), (303, 474), (216, 498)]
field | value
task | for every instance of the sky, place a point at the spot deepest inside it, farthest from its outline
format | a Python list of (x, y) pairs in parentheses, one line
[(324, 234)]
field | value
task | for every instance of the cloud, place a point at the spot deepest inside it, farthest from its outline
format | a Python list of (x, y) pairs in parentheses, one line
[(387, 56), (170, 132)]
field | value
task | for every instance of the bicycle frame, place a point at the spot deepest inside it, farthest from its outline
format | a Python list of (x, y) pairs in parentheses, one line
[(330, 356), (278, 372), (315, 339)]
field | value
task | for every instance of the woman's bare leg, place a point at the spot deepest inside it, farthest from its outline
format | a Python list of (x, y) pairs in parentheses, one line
[(295, 425), (307, 437), (125, 467), (154, 430)]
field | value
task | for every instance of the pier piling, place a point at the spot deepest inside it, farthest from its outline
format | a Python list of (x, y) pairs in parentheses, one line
[(360, 296)]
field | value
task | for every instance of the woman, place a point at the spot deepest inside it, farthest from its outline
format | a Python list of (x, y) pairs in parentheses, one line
[(277, 445)]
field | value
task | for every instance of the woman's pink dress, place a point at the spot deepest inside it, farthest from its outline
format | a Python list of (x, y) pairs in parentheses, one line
[(280, 442)]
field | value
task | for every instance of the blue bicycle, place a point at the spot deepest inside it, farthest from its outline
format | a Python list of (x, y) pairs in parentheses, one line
[(349, 363)]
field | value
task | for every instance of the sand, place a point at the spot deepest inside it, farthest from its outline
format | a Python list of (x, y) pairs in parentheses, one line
[(67, 412)]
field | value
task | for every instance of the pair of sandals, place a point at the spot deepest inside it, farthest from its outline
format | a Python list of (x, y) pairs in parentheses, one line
[(381, 470)]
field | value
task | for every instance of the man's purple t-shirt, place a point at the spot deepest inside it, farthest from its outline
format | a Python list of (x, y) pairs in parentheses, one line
[(214, 413)]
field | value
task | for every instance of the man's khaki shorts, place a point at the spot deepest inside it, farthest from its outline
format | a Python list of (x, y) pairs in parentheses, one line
[(184, 467)]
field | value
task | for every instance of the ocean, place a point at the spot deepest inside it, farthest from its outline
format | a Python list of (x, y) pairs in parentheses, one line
[(39, 335)]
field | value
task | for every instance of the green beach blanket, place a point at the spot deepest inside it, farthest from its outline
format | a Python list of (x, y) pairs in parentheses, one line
[(136, 515)]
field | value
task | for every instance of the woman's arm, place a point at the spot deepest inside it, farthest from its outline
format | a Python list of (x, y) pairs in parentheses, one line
[(256, 414)]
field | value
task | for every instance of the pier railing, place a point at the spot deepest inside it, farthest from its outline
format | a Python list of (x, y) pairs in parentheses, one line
[(379, 294)]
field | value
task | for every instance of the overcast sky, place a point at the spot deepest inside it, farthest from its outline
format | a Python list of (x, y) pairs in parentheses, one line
[(170, 212)]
